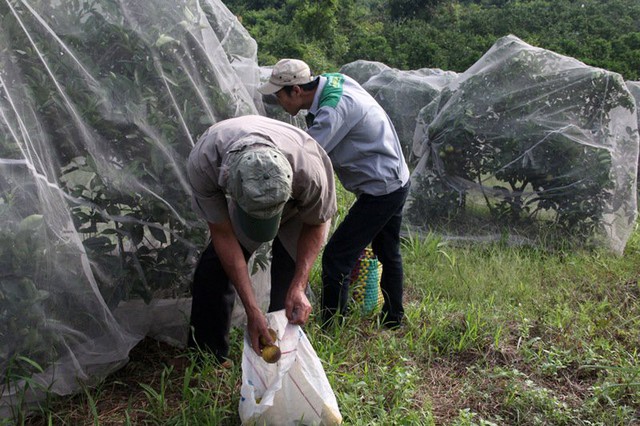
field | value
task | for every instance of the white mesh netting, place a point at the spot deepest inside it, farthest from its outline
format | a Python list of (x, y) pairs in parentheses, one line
[(362, 70), (528, 144), (634, 88), (100, 104), (403, 93)]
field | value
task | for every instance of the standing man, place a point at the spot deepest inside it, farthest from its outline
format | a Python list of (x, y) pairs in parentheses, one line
[(255, 180), (367, 157)]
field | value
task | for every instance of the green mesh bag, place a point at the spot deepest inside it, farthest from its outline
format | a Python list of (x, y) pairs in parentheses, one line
[(365, 282)]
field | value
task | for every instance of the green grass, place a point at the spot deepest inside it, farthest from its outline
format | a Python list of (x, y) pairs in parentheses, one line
[(494, 335)]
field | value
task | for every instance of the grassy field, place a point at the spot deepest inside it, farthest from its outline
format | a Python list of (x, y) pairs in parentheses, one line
[(494, 335)]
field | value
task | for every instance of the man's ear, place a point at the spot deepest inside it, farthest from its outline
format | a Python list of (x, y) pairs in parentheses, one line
[(297, 90)]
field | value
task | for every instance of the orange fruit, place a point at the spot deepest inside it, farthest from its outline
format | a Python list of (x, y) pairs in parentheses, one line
[(271, 354), (274, 337)]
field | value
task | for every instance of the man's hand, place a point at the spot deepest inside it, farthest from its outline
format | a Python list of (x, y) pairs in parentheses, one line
[(257, 326), (297, 306)]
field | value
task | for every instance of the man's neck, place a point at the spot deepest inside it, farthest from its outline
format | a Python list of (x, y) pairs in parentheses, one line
[(307, 98)]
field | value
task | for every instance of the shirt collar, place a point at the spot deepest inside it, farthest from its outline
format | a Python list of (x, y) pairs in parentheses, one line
[(316, 97)]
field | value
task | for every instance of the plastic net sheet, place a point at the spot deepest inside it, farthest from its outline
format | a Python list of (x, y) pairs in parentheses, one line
[(528, 144), (402, 94), (634, 88), (362, 70), (100, 103)]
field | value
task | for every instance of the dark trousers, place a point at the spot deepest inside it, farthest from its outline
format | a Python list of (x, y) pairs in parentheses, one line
[(375, 220), (213, 297)]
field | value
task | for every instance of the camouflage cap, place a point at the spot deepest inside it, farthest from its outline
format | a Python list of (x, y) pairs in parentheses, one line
[(259, 181)]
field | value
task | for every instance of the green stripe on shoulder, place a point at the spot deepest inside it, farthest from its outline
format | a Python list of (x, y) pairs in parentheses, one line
[(332, 91)]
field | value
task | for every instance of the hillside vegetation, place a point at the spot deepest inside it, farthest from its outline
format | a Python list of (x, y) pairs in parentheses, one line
[(446, 34)]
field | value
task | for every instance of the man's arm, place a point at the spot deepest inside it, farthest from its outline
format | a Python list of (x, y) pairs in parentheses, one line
[(328, 128), (310, 242), (230, 253)]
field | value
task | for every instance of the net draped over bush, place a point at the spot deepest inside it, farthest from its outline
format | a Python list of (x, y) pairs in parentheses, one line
[(634, 88), (100, 104), (403, 93), (532, 144), (362, 70)]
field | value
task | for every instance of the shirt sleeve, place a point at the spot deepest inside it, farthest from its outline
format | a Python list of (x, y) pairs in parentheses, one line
[(314, 190), (208, 200), (329, 128)]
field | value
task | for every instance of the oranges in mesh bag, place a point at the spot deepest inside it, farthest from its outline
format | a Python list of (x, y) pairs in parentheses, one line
[(365, 282)]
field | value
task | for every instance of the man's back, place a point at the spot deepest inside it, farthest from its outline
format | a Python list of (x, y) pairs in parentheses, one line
[(358, 136)]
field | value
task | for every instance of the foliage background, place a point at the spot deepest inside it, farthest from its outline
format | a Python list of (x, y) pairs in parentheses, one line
[(446, 34)]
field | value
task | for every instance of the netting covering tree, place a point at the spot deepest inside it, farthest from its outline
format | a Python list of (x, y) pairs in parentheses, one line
[(528, 143), (634, 88), (100, 103), (362, 70), (403, 93)]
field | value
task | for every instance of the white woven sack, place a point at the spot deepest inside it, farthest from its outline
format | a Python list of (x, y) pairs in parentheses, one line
[(293, 391)]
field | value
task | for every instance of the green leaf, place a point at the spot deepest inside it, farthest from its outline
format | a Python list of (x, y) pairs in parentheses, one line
[(99, 244), (158, 234)]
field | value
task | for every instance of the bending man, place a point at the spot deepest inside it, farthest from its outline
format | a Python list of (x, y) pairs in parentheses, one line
[(256, 180)]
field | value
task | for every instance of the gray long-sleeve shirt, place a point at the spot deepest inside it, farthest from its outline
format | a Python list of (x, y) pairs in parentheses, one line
[(358, 136)]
